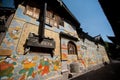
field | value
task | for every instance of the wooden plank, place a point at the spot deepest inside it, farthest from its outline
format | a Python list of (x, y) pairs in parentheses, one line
[(5, 52)]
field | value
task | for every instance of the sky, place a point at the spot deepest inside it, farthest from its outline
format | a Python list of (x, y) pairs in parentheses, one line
[(91, 17), (88, 12)]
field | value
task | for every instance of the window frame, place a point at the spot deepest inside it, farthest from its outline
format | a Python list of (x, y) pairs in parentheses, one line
[(74, 50), (32, 12), (52, 19)]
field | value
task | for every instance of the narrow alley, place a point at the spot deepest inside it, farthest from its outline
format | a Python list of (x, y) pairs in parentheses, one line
[(108, 72)]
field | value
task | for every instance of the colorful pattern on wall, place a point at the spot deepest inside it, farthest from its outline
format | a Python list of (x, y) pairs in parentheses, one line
[(41, 66), (29, 67), (12, 36), (32, 66), (7, 67), (64, 50)]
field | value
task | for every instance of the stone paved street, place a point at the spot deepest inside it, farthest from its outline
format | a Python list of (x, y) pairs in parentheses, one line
[(108, 72)]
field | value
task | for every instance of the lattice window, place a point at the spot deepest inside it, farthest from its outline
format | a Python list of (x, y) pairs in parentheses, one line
[(53, 19), (71, 48)]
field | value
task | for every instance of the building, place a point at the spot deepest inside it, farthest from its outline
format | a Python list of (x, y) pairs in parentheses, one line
[(44, 41), (111, 10)]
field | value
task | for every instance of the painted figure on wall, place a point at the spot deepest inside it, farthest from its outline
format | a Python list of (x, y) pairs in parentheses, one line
[(44, 66), (28, 69), (7, 67)]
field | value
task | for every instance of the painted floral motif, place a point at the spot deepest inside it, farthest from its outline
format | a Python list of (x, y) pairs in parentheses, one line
[(7, 67), (28, 69), (44, 66), (57, 65), (64, 56)]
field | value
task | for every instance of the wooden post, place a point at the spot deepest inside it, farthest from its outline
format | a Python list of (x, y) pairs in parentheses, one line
[(42, 24)]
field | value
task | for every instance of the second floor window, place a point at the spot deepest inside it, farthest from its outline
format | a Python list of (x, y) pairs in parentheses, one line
[(53, 19), (32, 12)]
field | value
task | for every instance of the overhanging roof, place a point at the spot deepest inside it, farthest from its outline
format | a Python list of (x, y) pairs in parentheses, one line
[(114, 40), (111, 9)]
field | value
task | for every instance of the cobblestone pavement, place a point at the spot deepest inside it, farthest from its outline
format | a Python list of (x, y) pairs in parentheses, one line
[(108, 72)]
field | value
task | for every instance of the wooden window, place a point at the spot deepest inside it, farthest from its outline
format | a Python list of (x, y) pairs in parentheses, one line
[(71, 48), (47, 20), (32, 12), (61, 22), (53, 19)]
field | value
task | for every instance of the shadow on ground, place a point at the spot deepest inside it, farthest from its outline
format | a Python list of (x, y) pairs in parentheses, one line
[(108, 72)]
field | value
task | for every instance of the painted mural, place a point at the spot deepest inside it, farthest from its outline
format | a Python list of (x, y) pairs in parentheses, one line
[(42, 66), (64, 50), (29, 67), (7, 67), (87, 55), (32, 66)]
